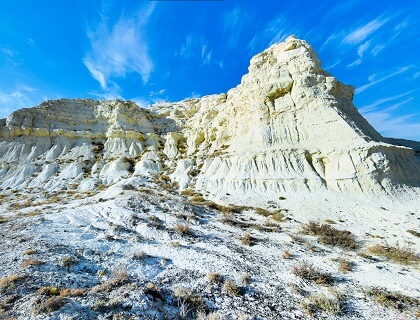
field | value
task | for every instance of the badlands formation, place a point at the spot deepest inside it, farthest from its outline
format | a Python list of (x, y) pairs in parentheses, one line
[(173, 196)]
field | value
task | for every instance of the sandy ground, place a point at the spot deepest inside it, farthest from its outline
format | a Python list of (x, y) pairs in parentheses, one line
[(125, 247)]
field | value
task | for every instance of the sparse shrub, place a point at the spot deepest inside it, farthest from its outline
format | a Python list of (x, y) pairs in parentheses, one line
[(101, 273), (30, 262), (49, 291), (120, 274), (215, 277), (68, 261), (414, 233), (188, 302), (165, 178), (182, 228), (307, 271), (72, 292), (175, 244), (53, 304), (140, 255), (392, 299), (198, 199), (396, 254), (154, 221), (277, 216), (331, 236), (245, 279), (8, 283), (99, 305), (230, 288), (297, 239), (119, 277), (318, 302), (4, 220), (287, 254), (247, 240), (29, 252), (187, 192), (262, 212), (345, 265)]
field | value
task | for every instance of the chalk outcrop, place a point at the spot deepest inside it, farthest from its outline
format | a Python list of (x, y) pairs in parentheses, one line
[(289, 126)]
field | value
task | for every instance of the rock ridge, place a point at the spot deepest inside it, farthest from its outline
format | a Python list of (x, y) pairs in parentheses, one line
[(289, 126)]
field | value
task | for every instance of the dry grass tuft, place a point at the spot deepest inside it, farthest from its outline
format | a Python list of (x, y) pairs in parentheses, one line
[(320, 302), (140, 255), (330, 235), (8, 283), (400, 255), (287, 254), (262, 212), (215, 278), (182, 228), (187, 192), (30, 262), (188, 302), (4, 220), (307, 271), (198, 199), (414, 233), (49, 291), (231, 288), (29, 252), (247, 240), (52, 304), (72, 292), (277, 216), (345, 265), (393, 299)]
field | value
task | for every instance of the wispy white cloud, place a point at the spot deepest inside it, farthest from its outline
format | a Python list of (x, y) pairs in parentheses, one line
[(391, 126), (378, 48), (379, 102), (382, 101), (157, 93), (373, 79), (275, 30), (360, 52), (196, 47), (361, 33), (234, 22), (119, 49), (20, 97)]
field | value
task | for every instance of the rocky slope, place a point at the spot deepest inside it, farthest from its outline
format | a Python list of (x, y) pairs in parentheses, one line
[(200, 208), (289, 126)]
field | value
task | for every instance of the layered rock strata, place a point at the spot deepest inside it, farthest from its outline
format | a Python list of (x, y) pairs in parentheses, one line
[(289, 126)]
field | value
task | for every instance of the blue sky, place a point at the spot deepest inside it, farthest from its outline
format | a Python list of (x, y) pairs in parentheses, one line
[(151, 51)]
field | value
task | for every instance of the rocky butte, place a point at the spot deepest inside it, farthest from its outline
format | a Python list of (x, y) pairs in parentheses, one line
[(289, 126), (287, 138)]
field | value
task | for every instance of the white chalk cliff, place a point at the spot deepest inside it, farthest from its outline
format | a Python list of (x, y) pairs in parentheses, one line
[(289, 126)]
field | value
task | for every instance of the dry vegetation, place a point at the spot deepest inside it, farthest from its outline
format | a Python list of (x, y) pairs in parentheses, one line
[(182, 228), (30, 262), (307, 271), (396, 254), (320, 302), (330, 235), (393, 299), (9, 282), (231, 288), (215, 278)]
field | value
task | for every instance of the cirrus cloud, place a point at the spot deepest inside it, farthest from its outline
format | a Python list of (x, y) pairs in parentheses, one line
[(119, 49)]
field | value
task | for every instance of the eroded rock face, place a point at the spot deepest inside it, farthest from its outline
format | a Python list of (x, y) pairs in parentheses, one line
[(289, 126)]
